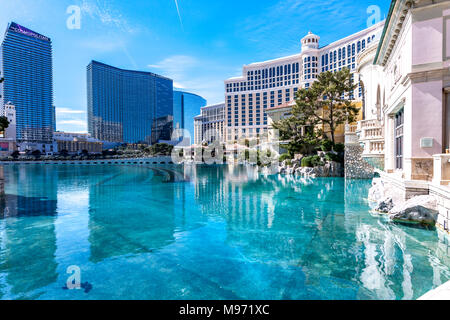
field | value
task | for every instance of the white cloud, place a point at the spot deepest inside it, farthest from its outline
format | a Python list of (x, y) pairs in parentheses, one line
[(69, 111), (74, 131), (178, 85), (176, 66), (106, 14), (196, 75), (80, 123), (71, 120), (179, 15), (71, 124)]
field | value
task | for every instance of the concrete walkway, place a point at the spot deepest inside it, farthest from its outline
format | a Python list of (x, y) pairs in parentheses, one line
[(441, 293)]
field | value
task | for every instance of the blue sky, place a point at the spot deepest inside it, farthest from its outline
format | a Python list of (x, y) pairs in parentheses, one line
[(198, 43)]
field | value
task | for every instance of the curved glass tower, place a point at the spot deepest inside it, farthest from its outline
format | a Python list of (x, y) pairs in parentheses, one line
[(123, 104), (186, 106)]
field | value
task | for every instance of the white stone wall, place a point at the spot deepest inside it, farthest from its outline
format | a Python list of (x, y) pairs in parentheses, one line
[(442, 195), (413, 70)]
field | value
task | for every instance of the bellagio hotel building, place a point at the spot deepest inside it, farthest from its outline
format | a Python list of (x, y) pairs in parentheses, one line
[(273, 83)]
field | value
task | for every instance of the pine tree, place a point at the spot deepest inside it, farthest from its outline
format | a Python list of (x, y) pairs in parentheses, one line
[(324, 106)]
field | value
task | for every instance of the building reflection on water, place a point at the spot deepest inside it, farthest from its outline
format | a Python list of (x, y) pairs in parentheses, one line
[(262, 220), (316, 231), (28, 245), (137, 226)]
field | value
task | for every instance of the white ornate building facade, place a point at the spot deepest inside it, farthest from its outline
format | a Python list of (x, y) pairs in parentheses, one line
[(209, 126), (267, 85), (406, 81)]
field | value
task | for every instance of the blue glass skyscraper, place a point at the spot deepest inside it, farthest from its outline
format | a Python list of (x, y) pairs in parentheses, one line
[(122, 104), (186, 106), (26, 65)]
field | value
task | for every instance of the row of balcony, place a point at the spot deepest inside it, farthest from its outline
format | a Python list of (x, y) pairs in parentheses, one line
[(370, 129), (371, 136)]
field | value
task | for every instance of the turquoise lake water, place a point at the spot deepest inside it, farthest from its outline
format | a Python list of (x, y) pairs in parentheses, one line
[(164, 232)]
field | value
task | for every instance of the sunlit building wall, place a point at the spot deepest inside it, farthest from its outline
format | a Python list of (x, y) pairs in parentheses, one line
[(210, 125)]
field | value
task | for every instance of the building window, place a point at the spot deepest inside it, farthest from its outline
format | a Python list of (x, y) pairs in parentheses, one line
[(399, 123)]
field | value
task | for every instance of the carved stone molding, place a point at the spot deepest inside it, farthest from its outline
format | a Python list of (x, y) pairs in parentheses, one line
[(428, 75)]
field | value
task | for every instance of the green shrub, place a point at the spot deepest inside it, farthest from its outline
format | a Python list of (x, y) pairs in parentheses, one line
[(316, 161), (307, 162), (339, 147), (288, 163), (284, 157), (326, 145), (332, 157)]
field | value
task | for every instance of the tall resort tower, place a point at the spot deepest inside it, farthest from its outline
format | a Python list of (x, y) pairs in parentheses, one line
[(26, 65)]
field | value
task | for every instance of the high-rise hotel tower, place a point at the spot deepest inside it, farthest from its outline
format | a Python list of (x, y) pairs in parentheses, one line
[(124, 104), (269, 84), (26, 65)]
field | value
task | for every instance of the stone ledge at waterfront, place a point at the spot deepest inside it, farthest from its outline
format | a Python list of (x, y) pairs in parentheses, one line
[(420, 209), (410, 202)]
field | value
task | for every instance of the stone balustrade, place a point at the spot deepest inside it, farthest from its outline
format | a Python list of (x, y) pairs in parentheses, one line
[(371, 136), (372, 133), (367, 124), (370, 129), (376, 147)]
